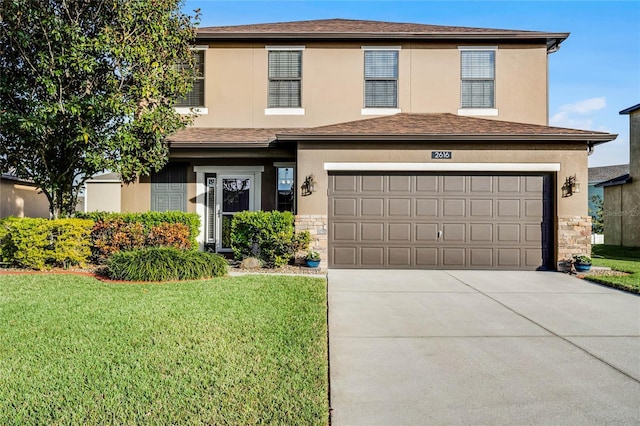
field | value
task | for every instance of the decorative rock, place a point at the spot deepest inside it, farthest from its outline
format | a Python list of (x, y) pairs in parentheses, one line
[(250, 263)]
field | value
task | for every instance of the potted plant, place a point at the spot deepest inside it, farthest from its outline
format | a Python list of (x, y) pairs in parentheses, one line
[(312, 259), (582, 263)]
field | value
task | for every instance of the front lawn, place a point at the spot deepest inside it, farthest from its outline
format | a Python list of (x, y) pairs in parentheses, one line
[(242, 350), (625, 259)]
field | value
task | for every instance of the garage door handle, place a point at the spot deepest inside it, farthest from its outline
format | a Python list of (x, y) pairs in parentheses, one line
[(439, 234)]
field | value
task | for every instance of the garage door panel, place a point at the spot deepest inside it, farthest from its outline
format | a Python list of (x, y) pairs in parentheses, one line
[(480, 257), (426, 232), (372, 183), (426, 257), (427, 184), (480, 208), (344, 256), (454, 208), (399, 207), (399, 184), (372, 256), (481, 184), (371, 232), (345, 231), (392, 220), (372, 207), (453, 257), (399, 232), (343, 183), (399, 256), (454, 232), (345, 207), (426, 207)]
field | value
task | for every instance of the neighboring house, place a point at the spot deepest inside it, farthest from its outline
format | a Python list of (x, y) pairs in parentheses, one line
[(409, 145), (622, 193), (102, 193), (601, 174), (21, 198)]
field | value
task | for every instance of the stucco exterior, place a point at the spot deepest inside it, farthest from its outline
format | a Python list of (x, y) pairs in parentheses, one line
[(333, 87), (21, 199)]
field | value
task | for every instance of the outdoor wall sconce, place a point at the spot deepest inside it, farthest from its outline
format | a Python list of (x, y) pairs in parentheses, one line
[(570, 187), (308, 186)]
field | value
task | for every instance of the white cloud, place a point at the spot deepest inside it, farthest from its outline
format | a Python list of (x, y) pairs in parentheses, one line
[(577, 114)]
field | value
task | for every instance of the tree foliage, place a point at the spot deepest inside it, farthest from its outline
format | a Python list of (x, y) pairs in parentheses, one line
[(88, 86), (597, 214)]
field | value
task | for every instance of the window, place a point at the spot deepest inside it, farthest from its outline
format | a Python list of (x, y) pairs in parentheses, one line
[(478, 78), (380, 78), (285, 78), (195, 98), (285, 201)]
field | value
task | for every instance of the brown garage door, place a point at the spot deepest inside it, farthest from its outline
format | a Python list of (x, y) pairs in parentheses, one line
[(443, 221)]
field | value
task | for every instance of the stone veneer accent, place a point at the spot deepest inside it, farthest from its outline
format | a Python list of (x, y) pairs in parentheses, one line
[(317, 225), (574, 237)]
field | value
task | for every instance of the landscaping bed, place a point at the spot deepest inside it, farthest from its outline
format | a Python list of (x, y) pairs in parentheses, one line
[(232, 350)]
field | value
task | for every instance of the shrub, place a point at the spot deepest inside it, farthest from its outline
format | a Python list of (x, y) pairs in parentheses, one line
[(39, 243), (269, 236), (114, 232), (165, 264)]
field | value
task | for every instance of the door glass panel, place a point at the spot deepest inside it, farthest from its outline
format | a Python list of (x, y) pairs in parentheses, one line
[(235, 194), (285, 201)]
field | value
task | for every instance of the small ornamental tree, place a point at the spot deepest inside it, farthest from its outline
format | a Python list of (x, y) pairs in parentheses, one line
[(597, 214), (88, 86)]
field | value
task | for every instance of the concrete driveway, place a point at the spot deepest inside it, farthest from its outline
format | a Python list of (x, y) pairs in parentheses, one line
[(481, 347)]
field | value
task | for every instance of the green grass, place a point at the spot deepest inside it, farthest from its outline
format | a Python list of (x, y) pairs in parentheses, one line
[(243, 350), (625, 259)]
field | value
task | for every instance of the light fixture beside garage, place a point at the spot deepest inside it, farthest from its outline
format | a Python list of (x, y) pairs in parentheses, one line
[(308, 186), (571, 186)]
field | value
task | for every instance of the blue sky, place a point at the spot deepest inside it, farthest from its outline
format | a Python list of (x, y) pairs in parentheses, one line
[(594, 75)]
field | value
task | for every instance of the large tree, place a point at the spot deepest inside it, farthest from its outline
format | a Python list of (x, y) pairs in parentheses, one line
[(88, 86)]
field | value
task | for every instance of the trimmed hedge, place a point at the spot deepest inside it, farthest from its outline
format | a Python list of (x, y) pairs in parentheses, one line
[(40, 243), (269, 236), (165, 264), (115, 232)]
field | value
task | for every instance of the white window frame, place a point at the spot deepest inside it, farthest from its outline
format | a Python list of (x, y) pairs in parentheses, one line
[(479, 111), (380, 110), (284, 111)]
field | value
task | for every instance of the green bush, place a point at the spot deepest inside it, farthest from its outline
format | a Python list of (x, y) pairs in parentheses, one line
[(269, 236), (114, 232), (165, 264), (39, 243)]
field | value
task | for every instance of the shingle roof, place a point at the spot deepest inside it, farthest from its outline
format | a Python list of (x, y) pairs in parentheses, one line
[(600, 174), (222, 137), (351, 28), (441, 126), (620, 180)]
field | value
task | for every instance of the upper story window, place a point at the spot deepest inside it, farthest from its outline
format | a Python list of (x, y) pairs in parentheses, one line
[(285, 79), (195, 98), (478, 78), (381, 78)]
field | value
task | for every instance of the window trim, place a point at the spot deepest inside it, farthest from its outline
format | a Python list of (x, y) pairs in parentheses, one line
[(474, 110), (377, 110), (197, 109), (269, 110)]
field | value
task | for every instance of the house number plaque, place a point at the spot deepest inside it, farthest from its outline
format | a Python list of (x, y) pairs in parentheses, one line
[(441, 155)]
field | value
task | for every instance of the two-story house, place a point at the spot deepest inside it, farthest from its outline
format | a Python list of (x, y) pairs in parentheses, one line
[(397, 145)]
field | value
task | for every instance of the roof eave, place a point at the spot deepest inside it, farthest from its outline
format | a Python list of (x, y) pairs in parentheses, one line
[(220, 145), (593, 139)]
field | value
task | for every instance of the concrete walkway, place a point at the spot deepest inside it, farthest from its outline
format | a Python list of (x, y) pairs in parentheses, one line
[(489, 347)]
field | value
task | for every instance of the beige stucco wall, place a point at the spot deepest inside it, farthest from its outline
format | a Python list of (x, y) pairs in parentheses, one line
[(22, 200), (136, 197), (103, 197), (333, 83)]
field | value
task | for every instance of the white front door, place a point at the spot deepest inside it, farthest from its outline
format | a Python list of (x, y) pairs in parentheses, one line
[(223, 191)]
